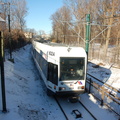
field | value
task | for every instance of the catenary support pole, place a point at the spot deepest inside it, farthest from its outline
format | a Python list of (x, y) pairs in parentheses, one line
[(87, 33), (10, 48), (2, 73)]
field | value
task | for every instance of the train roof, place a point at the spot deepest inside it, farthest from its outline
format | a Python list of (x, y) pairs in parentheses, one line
[(47, 42), (59, 50)]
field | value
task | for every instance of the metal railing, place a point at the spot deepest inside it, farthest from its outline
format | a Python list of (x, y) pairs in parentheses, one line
[(106, 94)]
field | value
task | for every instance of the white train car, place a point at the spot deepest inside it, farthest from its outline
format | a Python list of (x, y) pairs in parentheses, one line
[(62, 68)]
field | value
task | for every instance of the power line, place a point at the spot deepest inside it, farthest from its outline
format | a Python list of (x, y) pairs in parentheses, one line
[(71, 28), (108, 18), (99, 24), (104, 30), (9, 5), (2, 3)]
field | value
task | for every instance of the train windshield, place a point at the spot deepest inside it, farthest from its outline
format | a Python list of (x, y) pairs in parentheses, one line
[(72, 68)]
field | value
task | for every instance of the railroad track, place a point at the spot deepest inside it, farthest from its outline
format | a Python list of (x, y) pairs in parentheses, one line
[(74, 111)]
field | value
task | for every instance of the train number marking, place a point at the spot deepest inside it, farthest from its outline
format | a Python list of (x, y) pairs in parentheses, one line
[(51, 53)]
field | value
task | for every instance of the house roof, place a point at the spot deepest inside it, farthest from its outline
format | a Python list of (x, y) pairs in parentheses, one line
[(2, 20)]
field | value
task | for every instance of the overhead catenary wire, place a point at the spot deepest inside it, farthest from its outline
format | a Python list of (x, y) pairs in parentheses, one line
[(108, 18), (84, 22), (71, 28), (91, 24), (104, 30), (108, 26)]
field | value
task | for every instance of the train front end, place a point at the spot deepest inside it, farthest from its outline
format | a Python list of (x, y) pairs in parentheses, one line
[(72, 73)]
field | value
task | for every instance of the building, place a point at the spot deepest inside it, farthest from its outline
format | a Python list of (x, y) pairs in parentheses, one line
[(28, 34), (2, 24), (45, 36)]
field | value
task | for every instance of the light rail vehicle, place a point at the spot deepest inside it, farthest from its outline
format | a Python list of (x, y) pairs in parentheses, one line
[(63, 68)]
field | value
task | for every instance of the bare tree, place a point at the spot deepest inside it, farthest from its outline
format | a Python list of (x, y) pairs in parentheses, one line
[(104, 23), (19, 12), (106, 13), (78, 14), (14, 12), (60, 27)]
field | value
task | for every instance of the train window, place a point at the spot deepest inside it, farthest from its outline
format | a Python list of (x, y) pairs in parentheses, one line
[(53, 73), (37, 57), (72, 68), (34, 52), (43, 64)]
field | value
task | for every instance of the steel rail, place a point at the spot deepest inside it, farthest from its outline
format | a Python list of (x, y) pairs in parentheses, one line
[(88, 110), (61, 108)]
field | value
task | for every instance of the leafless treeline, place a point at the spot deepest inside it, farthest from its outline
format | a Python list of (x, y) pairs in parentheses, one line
[(69, 26), (14, 13)]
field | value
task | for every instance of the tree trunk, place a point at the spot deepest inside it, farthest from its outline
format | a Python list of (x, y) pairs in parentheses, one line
[(109, 29)]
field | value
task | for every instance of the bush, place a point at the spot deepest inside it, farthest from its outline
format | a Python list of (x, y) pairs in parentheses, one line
[(15, 40)]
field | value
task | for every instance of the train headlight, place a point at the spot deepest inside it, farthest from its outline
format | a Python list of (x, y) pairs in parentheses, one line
[(62, 88), (81, 87), (54, 87)]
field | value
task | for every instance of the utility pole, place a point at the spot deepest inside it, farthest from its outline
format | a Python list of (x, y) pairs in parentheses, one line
[(11, 59), (10, 49), (2, 72), (87, 33), (9, 30)]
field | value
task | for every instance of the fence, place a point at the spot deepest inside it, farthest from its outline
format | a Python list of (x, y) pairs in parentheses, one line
[(106, 94), (96, 51)]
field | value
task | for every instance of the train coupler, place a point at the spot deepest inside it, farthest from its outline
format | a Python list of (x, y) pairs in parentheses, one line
[(74, 99)]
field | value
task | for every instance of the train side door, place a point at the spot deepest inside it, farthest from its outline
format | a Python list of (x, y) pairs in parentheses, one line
[(53, 73)]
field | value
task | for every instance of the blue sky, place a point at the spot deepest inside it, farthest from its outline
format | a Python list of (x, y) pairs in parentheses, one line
[(39, 13)]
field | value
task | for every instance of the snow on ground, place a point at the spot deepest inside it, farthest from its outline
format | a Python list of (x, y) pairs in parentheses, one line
[(105, 73), (25, 93), (26, 96)]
